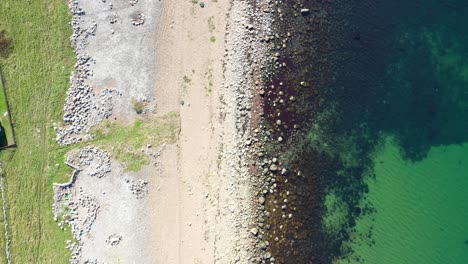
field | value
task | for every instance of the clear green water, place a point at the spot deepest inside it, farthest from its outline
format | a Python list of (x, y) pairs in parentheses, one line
[(421, 208), (410, 125)]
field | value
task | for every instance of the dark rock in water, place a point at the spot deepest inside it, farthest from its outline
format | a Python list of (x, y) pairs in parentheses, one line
[(357, 210)]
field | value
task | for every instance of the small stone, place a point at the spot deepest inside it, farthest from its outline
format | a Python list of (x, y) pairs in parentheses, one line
[(305, 11), (273, 167), (254, 231), (261, 200)]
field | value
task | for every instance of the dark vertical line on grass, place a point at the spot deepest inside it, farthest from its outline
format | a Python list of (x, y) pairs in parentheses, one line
[(8, 108), (5, 216)]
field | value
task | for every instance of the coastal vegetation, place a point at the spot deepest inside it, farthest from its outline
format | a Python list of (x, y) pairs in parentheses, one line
[(36, 73), (125, 142), (138, 106)]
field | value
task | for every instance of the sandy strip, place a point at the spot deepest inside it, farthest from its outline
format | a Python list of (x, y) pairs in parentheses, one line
[(203, 205)]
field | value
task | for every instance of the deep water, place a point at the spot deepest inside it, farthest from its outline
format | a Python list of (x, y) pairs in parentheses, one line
[(386, 113)]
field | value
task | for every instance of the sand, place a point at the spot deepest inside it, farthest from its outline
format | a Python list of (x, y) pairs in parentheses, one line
[(198, 207), (206, 219)]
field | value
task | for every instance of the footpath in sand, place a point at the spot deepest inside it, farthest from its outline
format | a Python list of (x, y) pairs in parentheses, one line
[(151, 61)]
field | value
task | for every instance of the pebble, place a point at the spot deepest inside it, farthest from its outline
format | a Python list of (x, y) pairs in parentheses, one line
[(261, 200), (254, 231)]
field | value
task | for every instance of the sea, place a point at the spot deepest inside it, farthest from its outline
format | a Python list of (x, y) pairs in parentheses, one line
[(403, 91), (387, 132)]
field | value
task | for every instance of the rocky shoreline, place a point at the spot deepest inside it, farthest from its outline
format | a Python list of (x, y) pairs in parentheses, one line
[(261, 117), (288, 194)]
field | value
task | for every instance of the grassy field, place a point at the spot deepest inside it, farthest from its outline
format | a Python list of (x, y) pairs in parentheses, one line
[(7, 137), (36, 74)]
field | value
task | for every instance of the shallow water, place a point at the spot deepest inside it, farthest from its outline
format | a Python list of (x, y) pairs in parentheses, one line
[(383, 162), (410, 125), (421, 209)]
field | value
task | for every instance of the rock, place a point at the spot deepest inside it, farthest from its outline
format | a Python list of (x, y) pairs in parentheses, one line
[(254, 231), (261, 200), (273, 167)]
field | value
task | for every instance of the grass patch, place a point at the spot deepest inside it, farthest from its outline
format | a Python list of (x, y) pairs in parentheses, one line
[(138, 106), (126, 142), (213, 39), (36, 74), (209, 79), (187, 80), (211, 24), (5, 44)]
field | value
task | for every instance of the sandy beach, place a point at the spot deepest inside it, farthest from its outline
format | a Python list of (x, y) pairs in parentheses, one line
[(192, 201)]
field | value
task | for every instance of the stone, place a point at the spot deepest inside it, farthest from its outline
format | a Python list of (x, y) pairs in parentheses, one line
[(254, 231), (305, 11), (261, 200), (273, 167)]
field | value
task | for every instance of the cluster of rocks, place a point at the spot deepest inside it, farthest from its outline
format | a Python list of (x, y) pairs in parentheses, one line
[(279, 123), (245, 56), (95, 162), (83, 108), (78, 103), (138, 20), (138, 188), (114, 240), (91, 207), (93, 261), (75, 249), (79, 213), (269, 175), (112, 18)]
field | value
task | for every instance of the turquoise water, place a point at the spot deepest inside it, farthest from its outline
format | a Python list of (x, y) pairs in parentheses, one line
[(421, 208), (401, 135), (383, 93)]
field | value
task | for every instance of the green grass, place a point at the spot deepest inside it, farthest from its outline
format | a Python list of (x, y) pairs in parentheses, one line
[(36, 74), (6, 133), (125, 142)]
